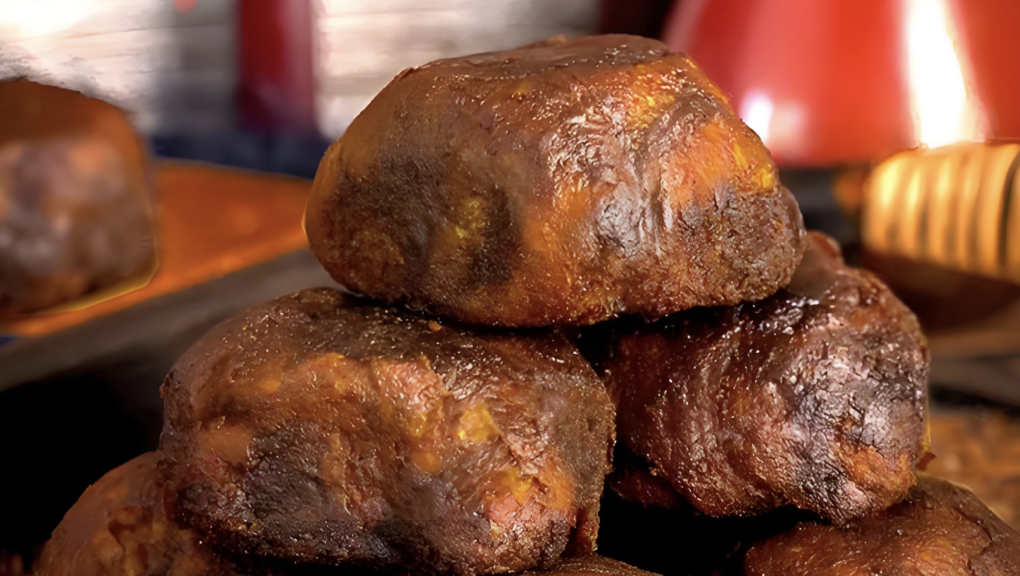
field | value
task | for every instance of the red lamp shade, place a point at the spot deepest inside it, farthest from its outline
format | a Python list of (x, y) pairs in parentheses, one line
[(826, 82), (276, 86)]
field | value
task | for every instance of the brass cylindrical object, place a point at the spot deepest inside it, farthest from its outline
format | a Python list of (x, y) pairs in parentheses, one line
[(957, 206)]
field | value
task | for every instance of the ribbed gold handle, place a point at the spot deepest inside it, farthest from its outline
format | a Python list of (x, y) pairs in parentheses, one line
[(956, 206)]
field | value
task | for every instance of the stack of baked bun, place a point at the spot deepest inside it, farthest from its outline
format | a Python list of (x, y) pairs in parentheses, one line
[(484, 214)]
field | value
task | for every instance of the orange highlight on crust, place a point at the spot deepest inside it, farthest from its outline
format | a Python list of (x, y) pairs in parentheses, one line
[(727, 153), (231, 444), (522, 90), (648, 96), (517, 482), (477, 425), (427, 460)]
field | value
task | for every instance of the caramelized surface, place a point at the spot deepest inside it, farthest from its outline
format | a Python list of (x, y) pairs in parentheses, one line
[(564, 182), (119, 527), (815, 397), (939, 530), (314, 429)]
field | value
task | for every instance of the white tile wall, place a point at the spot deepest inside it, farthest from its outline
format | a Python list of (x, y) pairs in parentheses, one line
[(362, 44), (174, 71)]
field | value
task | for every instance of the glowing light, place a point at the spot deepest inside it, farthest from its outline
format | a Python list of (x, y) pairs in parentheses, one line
[(943, 111), (25, 18), (756, 111), (183, 6)]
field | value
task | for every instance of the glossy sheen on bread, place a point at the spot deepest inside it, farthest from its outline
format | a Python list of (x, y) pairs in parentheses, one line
[(314, 428), (940, 529), (566, 182), (815, 397)]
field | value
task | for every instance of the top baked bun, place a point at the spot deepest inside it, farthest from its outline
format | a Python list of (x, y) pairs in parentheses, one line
[(566, 182)]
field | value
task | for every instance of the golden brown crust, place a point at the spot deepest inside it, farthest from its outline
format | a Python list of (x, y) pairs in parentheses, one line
[(565, 182), (314, 429), (119, 527), (75, 206), (815, 397), (940, 529)]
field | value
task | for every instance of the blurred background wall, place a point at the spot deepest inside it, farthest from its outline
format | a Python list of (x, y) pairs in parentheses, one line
[(362, 44), (171, 64), (210, 66)]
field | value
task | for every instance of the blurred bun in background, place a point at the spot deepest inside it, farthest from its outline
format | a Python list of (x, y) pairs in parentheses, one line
[(75, 198)]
